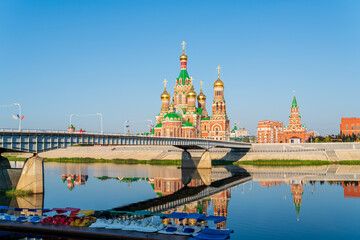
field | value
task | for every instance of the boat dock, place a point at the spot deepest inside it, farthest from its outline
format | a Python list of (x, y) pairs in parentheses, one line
[(80, 232)]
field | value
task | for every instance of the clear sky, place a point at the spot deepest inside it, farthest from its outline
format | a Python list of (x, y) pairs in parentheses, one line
[(63, 57)]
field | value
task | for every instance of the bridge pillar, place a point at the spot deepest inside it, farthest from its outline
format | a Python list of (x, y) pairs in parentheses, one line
[(4, 162), (32, 175), (188, 162)]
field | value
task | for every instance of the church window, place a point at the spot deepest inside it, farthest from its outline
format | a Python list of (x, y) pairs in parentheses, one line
[(180, 99), (205, 127), (221, 106), (217, 106), (352, 128), (216, 131)]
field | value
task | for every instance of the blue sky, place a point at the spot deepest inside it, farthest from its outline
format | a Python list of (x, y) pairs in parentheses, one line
[(63, 57)]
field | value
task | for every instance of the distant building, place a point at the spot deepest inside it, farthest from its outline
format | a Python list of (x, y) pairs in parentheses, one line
[(274, 132), (239, 132), (270, 132), (295, 132), (350, 126)]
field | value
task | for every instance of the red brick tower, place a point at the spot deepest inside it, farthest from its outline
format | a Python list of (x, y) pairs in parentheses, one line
[(295, 132), (219, 124)]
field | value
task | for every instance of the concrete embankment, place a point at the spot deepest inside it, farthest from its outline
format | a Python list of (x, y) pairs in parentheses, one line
[(304, 151), (134, 152)]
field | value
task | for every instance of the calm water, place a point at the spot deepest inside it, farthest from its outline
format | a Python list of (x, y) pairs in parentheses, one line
[(279, 203)]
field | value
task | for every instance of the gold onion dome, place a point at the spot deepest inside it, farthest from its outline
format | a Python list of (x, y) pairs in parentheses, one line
[(191, 93), (218, 83), (165, 95), (201, 96), (183, 57)]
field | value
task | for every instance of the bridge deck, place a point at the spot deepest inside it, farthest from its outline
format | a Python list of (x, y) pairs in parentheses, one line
[(41, 141)]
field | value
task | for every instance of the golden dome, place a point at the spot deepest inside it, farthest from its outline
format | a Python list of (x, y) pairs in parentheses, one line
[(183, 57), (165, 95), (201, 96), (218, 83), (191, 93)]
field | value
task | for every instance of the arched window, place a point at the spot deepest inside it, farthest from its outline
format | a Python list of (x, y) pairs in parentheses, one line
[(216, 131), (205, 127), (221, 106), (217, 106), (352, 128), (180, 99)]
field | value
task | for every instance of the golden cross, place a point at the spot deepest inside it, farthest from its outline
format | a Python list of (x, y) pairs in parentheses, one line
[(165, 83), (218, 68), (201, 84), (183, 45)]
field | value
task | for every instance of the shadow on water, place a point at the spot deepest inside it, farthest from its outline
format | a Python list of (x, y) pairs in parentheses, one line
[(195, 184)]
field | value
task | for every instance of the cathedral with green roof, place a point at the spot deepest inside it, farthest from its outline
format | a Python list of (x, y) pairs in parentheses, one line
[(185, 114)]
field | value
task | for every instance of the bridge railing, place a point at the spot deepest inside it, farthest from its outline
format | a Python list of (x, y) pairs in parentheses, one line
[(10, 130)]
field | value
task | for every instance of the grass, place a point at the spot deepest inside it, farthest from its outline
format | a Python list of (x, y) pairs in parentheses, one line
[(18, 193), (271, 162), (349, 162), (286, 162)]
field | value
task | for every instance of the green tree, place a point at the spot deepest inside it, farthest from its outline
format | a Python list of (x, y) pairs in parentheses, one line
[(246, 139), (327, 139), (316, 140)]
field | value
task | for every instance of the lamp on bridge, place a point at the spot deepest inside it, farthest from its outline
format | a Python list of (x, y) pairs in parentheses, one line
[(19, 116)]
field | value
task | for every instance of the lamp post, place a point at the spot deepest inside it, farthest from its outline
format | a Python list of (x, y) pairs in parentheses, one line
[(18, 104), (125, 126), (101, 122), (71, 115), (84, 115), (150, 123)]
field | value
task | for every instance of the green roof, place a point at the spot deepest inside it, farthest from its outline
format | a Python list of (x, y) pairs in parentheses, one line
[(294, 103), (187, 124), (159, 125), (235, 128), (208, 118), (199, 110), (183, 75), (174, 116)]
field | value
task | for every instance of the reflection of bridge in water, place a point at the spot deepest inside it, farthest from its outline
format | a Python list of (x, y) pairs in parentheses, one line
[(186, 195)]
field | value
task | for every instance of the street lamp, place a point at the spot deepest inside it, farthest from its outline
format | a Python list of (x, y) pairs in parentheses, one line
[(150, 123), (101, 122), (18, 104), (84, 115), (125, 126), (71, 115)]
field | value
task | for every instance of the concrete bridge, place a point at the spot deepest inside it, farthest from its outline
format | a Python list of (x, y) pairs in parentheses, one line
[(37, 141)]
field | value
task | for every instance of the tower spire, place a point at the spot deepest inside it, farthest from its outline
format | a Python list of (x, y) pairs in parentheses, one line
[(294, 102)]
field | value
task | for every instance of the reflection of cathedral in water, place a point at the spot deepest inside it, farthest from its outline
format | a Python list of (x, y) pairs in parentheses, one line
[(74, 180), (167, 186)]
